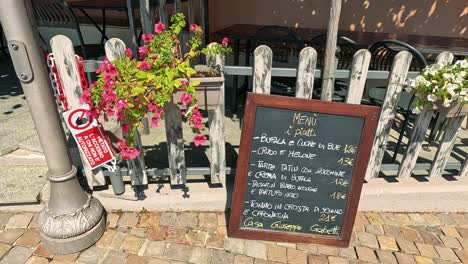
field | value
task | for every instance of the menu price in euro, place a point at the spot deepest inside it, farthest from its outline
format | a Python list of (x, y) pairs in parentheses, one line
[(299, 171)]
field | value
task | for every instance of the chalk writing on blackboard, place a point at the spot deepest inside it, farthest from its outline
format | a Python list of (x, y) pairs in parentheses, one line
[(299, 171), (298, 165)]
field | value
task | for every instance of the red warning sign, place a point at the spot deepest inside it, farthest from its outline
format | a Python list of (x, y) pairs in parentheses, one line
[(89, 137)]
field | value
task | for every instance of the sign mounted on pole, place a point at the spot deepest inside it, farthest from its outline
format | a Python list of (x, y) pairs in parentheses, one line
[(89, 137)]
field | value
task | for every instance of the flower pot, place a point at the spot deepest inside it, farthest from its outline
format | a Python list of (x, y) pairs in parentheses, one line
[(117, 182), (454, 110), (207, 93)]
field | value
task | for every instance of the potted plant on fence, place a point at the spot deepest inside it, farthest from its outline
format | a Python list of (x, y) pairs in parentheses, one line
[(443, 88), (131, 89)]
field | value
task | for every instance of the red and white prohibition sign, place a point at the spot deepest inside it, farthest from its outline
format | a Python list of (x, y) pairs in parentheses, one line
[(89, 137)]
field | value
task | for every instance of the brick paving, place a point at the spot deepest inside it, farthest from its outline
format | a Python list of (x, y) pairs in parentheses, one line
[(189, 237)]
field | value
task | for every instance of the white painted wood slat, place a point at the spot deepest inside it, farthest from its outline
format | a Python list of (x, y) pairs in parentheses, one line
[(175, 144), (67, 69), (396, 82), (357, 79), (217, 129), (419, 131), (305, 73), (115, 49), (263, 59), (446, 146)]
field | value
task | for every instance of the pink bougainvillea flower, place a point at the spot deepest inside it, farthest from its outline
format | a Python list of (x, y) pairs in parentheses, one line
[(143, 50), (152, 107), (155, 57), (154, 122), (121, 144), (129, 52), (159, 112), (147, 38), (199, 140), (120, 104), (186, 98), (193, 27), (92, 113), (109, 96), (110, 112), (125, 128), (144, 65), (119, 115), (196, 119), (224, 41), (159, 27), (184, 82), (128, 153), (85, 97)]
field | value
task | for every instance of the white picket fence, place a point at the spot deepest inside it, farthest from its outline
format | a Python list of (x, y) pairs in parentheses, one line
[(69, 75), (62, 49), (262, 74)]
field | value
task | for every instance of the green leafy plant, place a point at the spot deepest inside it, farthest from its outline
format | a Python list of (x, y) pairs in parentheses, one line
[(132, 89), (441, 86)]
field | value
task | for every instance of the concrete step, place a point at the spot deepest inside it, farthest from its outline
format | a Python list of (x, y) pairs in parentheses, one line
[(21, 184)]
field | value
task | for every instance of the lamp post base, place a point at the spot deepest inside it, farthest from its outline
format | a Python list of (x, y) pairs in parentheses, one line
[(71, 220), (75, 244)]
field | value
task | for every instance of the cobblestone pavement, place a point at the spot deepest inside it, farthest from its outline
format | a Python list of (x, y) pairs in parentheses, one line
[(192, 237)]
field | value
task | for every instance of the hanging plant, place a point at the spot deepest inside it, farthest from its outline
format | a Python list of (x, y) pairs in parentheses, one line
[(130, 89), (441, 86)]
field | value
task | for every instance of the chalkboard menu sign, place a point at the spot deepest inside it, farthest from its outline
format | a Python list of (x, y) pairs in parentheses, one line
[(300, 169)]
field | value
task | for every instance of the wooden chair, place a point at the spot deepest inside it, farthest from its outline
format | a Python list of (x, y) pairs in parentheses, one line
[(57, 14), (383, 53)]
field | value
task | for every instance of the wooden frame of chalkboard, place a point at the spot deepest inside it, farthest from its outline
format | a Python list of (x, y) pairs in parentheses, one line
[(254, 101)]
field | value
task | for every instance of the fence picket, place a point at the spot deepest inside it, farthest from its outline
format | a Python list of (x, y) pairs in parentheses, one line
[(358, 76), (115, 49), (216, 125), (446, 146), (263, 58), (330, 51), (396, 82), (415, 143), (175, 144), (67, 69), (305, 73), (419, 131), (464, 167)]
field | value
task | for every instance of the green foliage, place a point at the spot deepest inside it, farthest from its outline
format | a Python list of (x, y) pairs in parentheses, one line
[(163, 69)]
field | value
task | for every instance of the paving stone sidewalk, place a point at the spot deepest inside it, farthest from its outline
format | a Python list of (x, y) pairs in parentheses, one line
[(200, 237)]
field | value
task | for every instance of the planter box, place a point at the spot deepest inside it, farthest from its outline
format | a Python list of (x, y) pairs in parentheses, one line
[(208, 93), (454, 110)]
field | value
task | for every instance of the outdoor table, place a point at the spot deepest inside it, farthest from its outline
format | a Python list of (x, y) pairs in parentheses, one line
[(428, 45), (425, 44), (116, 5)]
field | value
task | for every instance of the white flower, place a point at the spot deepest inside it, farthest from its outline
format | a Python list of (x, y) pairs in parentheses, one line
[(419, 80), (447, 103), (432, 97), (462, 63), (447, 75), (465, 98), (416, 111)]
